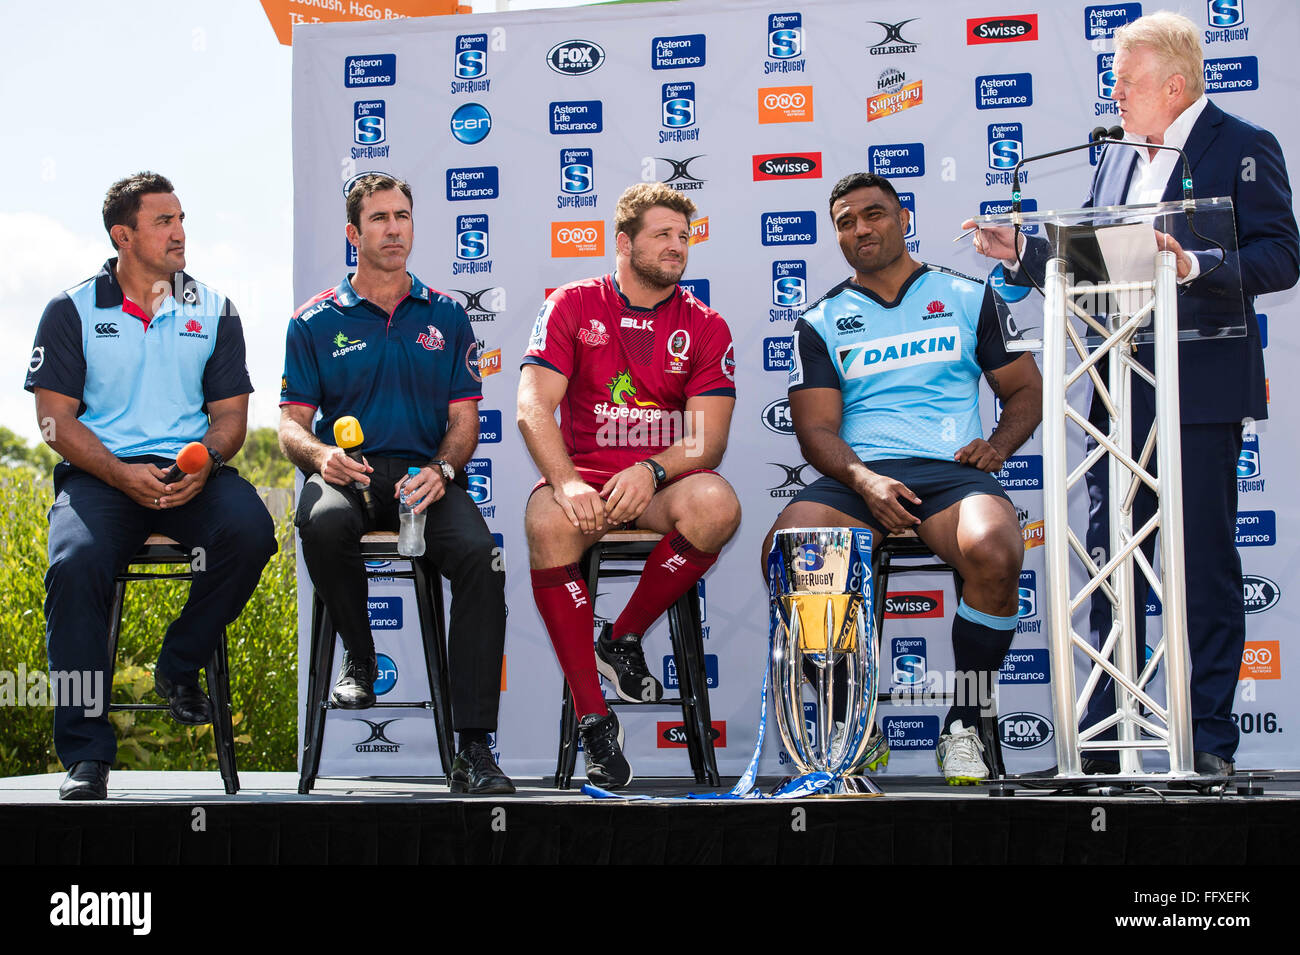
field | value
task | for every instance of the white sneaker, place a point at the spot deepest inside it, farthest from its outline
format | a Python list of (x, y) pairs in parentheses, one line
[(959, 756), (874, 759)]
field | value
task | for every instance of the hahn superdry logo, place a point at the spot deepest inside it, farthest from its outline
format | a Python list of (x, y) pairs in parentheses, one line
[(377, 69), (1259, 593), (1232, 74), (577, 179), (789, 289), (576, 117), (575, 57), (893, 42), (677, 113), (470, 65), (1101, 22), (784, 43), (1004, 91), (789, 228), (378, 737), (896, 95), (677, 52), (679, 173), (785, 104), (787, 166), (471, 245), (793, 482), (483, 305), (861, 360), (699, 231), (369, 129), (897, 160), (1002, 29), (1249, 466), (1227, 21)]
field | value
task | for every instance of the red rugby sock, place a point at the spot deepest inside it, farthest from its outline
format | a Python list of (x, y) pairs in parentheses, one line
[(673, 567), (566, 609)]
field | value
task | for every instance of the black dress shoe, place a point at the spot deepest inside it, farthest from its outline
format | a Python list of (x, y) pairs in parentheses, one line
[(187, 703), (1207, 764), (477, 773), (86, 779), (355, 687)]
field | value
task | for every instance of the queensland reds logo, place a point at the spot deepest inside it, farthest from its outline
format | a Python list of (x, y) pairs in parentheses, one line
[(679, 342), (596, 335), (432, 340)]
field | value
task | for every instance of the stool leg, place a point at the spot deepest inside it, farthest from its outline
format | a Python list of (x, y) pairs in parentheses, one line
[(688, 646), (322, 661), (428, 600), (567, 758), (114, 632), (223, 730)]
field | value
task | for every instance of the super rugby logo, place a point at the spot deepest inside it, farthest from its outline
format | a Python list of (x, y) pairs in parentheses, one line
[(900, 351)]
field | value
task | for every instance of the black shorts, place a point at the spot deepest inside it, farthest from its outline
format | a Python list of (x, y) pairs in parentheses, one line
[(939, 484)]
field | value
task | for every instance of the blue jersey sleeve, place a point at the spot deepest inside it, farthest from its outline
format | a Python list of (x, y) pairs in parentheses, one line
[(300, 384), (58, 360), (812, 365), (226, 373), (990, 348), (466, 382)]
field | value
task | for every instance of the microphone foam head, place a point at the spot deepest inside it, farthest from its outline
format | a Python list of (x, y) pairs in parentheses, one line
[(348, 433), (192, 458)]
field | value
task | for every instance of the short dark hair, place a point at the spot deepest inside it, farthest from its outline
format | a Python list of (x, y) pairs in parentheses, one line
[(862, 180), (369, 185), (122, 201)]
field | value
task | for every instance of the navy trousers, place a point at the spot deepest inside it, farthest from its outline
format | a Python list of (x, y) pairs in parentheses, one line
[(94, 530)]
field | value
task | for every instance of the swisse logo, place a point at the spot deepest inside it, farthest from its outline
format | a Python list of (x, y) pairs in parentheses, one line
[(673, 735), (1259, 593), (787, 166), (575, 57), (923, 603), (776, 417), (575, 239), (1025, 730), (1002, 29)]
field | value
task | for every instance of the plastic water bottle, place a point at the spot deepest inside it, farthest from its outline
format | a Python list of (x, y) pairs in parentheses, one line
[(410, 534)]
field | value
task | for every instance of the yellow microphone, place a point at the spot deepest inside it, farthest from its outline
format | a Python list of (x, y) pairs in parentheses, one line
[(348, 436)]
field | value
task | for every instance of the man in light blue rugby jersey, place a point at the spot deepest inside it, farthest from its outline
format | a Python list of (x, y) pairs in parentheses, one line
[(884, 392)]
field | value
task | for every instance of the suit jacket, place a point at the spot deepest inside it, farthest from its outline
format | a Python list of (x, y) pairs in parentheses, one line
[(1221, 380)]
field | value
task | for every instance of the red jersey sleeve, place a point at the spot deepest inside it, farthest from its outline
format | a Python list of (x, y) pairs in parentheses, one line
[(553, 342), (714, 370)]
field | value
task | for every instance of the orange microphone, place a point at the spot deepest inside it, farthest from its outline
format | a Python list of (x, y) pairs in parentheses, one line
[(348, 436), (190, 461)]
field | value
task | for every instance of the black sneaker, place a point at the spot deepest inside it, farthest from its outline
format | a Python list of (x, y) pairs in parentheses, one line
[(623, 664), (477, 773), (355, 687), (602, 742)]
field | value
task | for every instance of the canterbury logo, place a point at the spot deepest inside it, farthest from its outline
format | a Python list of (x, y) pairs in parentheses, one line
[(849, 323), (105, 328), (575, 591), (576, 236), (784, 100)]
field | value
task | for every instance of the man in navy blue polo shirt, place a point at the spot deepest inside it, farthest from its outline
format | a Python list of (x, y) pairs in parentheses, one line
[(400, 357), (128, 367)]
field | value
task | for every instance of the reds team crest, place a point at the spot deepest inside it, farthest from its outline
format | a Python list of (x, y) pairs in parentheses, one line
[(679, 343), (596, 335), (432, 340)]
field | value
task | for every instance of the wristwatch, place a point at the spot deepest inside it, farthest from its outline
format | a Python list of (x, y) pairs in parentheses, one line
[(218, 462), (448, 472), (655, 468)]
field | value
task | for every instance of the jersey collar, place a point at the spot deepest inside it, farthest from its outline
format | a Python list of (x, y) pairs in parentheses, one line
[(108, 293), (636, 308), (347, 296), (902, 292)]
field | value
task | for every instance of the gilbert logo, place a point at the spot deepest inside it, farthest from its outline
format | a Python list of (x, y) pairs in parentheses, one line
[(785, 104), (577, 239), (75, 908)]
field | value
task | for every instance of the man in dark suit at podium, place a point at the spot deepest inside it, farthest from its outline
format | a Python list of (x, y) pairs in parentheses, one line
[(1159, 87)]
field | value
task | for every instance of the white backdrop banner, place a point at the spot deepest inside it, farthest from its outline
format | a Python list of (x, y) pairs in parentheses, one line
[(518, 132)]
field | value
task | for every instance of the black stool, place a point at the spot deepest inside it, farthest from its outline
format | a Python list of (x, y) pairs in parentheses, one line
[(159, 549), (909, 547), (687, 634), (380, 545)]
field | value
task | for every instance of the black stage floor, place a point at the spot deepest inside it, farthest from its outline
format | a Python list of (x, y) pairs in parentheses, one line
[(185, 818)]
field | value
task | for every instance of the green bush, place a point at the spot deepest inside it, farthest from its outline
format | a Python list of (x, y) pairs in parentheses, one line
[(263, 649)]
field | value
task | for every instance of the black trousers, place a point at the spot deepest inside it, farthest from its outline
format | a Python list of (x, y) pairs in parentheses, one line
[(331, 520)]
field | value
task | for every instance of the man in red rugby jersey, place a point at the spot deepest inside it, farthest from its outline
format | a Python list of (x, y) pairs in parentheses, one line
[(644, 376)]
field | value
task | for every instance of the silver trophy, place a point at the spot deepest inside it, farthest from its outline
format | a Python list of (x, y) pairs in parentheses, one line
[(819, 585)]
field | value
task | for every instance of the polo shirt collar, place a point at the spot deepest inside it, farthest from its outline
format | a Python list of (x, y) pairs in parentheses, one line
[(108, 293), (348, 297)]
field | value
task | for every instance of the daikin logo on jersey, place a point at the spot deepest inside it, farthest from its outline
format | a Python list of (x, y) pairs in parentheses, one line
[(471, 245), (784, 43), (470, 64), (942, 344)]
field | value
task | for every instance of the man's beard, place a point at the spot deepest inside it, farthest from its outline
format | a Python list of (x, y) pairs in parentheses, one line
[(654, 275)]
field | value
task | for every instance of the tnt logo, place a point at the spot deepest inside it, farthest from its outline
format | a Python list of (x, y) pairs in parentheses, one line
[(1261, 660), (789, 283), (386, 674), (472, 237), (385, 613), (1248, 465), (1006, 145), (908, 201), (368, 126), (479, 473), (671, 681), (784, 35), (909, 671), (1105, 75), (1225, 13), (577, 171), (678, 105), (1028, 594), (471, 56)]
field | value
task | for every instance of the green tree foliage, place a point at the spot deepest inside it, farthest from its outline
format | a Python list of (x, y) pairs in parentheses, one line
[(261, 462), (14, 453)]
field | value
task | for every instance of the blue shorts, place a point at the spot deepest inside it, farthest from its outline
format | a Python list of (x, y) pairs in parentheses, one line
[(939, 484)]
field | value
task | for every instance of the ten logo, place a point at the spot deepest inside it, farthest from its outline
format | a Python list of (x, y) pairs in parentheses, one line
[(471, 123)]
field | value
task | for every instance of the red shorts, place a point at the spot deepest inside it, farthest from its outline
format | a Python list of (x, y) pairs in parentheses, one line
[(597, 480)]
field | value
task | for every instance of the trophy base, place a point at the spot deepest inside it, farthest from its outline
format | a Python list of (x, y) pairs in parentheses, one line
[(846, 787)]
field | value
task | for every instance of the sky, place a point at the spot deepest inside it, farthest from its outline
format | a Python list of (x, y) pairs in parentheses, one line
[(195, 89)]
